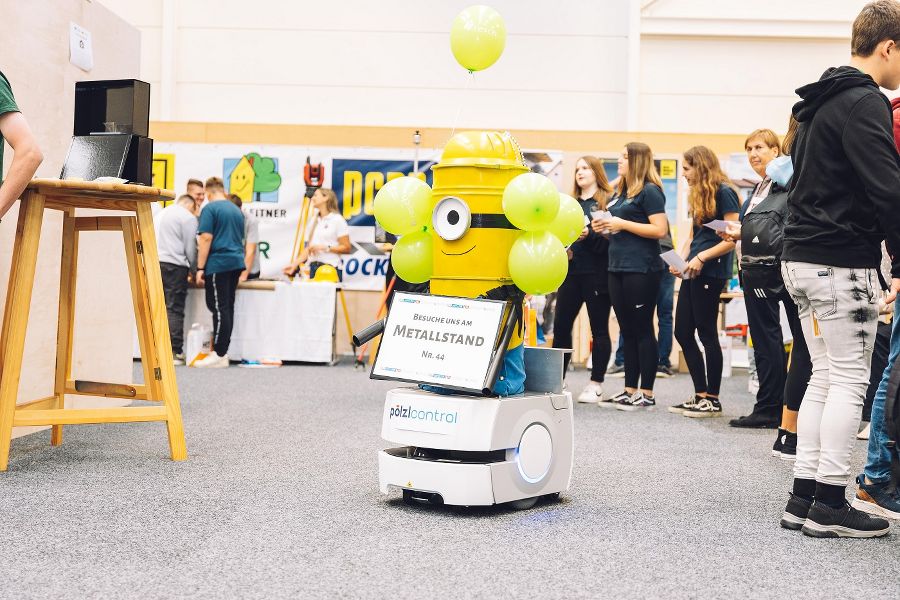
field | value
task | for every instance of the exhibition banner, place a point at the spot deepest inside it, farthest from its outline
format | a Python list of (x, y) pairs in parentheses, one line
[(269, 180), (442, 340)]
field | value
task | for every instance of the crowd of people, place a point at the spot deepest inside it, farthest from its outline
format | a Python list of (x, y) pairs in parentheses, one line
[(205, 238), (811, 237)]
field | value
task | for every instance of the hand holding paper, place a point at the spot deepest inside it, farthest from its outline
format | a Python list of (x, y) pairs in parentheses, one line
[(674, 260)]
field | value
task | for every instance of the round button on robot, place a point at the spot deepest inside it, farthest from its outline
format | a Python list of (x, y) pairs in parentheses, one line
[(534, 453)]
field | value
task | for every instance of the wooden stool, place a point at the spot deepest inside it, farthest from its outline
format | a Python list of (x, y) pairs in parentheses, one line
[(149, 311)]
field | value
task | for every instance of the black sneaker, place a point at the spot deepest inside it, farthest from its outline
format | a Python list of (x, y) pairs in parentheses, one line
[(706, 407), (795, 513), (779, 443), (690, 403), (789, 446), (638, 401), (822, 521), (755, 421), (664, 372)]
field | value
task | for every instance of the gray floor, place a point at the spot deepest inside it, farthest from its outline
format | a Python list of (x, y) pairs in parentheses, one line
[(279, 498)]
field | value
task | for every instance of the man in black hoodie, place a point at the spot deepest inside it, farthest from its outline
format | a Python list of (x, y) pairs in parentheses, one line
[(844, 199)]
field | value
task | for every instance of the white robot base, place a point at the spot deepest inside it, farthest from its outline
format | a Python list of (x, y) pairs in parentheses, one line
[(474, 451)]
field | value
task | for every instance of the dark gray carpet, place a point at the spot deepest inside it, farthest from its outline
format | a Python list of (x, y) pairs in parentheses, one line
[(279, 498)]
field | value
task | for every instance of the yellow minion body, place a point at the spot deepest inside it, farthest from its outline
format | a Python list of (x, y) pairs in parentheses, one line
[(472, 236)]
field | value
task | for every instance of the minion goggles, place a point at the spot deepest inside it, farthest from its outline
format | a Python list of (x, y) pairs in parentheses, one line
[(452, 218)]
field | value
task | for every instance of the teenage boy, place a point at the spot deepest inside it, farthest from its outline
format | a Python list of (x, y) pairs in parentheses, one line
[(220, 260), (844, 197), (196, 191), (27, 155), (176, 240)]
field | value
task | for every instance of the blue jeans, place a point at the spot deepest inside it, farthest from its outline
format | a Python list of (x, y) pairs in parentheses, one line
[(878, 462), (664, 302)]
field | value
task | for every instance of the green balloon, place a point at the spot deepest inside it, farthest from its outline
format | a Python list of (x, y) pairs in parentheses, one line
[(477, 37), (537, 262), (411, 257), (531, 201), (403, 205), (569, 221)]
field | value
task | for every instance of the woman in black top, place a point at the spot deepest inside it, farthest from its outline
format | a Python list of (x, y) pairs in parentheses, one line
[(638, 222), (586, 282), (709, 267)]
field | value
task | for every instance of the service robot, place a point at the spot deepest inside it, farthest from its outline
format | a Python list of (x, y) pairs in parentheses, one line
[(512, 446)]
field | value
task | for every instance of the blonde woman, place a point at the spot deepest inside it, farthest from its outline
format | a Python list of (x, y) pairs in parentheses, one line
[(328, 236), (709, 266)]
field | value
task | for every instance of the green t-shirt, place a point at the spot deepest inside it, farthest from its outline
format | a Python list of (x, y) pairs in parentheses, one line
[(7, 104)]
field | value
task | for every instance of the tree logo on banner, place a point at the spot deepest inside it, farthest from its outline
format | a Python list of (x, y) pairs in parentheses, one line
[(253, 178)]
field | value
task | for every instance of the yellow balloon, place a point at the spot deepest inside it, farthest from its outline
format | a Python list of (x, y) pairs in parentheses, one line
[(569, 221), (477, 37), (538, 263)]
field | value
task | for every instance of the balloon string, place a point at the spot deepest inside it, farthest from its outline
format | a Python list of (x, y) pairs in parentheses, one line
[(470, 82)]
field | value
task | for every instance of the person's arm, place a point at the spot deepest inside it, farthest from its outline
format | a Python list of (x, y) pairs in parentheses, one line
[(27, 157), (868, 141), (204, 241), (655, 230), (695, 265), (343, 246), (189, 234)]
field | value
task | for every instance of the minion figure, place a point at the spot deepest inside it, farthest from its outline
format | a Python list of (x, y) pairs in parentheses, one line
[(472, 236), (465, 235)]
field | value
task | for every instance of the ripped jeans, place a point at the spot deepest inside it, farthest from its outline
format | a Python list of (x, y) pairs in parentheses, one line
[(838, 311)]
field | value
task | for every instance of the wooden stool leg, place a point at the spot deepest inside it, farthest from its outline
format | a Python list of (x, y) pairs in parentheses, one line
[(18, 305), (67, 277), (159, 324), (138, 278)]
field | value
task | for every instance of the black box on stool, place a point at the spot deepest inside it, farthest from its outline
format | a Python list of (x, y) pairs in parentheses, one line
[(112, 106), (112, 121)]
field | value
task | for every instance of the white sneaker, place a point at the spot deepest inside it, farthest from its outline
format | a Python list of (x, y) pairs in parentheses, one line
[(212, 361), (178, 360), (864, 434), (592, 393)]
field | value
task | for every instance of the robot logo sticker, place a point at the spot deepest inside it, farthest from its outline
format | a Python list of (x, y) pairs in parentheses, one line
[(430, 418)]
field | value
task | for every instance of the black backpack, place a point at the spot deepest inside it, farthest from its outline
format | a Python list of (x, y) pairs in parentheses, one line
[(762, 239)]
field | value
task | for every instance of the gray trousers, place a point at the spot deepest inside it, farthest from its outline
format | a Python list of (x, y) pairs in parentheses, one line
[(839, 314)]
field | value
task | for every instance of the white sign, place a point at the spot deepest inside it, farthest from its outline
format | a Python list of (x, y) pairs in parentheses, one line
[(441, 340), (81, 51)]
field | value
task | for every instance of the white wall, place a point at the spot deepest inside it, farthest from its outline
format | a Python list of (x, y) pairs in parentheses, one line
[(732, 67), (708, 66), (34, 55), (356, 62)]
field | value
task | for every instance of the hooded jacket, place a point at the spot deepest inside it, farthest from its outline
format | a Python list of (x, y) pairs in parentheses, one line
[(844, 198)]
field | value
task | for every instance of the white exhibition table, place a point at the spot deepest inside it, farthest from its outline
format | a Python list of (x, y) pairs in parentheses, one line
[(274, 320)]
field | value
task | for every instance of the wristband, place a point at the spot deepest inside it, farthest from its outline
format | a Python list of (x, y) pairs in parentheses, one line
[(701, 260), (201, 269)]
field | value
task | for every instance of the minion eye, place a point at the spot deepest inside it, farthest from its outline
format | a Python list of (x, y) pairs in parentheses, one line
[(451, 218)]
